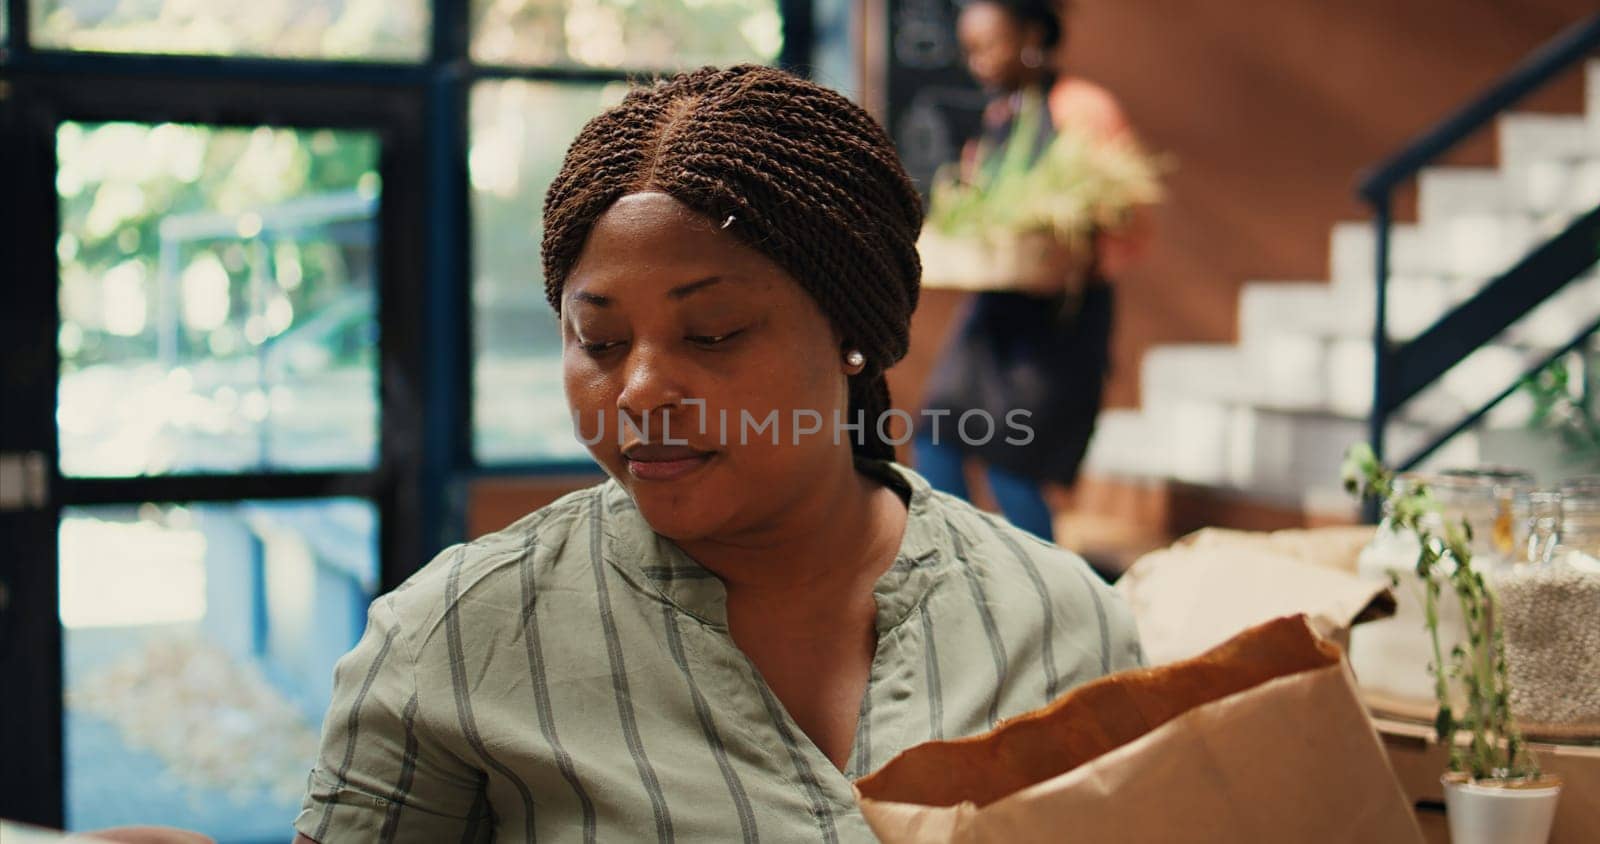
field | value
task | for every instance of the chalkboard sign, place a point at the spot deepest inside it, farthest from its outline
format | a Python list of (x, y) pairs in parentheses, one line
[(933, 104)]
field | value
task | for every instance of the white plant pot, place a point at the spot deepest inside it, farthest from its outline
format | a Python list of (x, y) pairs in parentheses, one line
[(1032, 262), (1481, 813)]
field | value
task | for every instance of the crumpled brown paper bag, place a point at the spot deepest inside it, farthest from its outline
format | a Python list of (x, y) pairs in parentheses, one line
[(1213, 584), (1260, 739)]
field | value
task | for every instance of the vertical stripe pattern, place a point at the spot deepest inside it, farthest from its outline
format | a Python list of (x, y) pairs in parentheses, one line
[(408, 770), (353, 722), (861, 757), (1100, 617), (741, 802), (458, 685), (478, 813), (1052, 681), (997, 648), (930, 652), (541, 694), (619, 678), (808, 778)]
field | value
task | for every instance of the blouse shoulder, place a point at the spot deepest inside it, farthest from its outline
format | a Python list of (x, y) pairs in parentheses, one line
[(1016, 567), (524, 550)]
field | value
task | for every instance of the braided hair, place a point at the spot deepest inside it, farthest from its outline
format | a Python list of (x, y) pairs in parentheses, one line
[(808, 178)]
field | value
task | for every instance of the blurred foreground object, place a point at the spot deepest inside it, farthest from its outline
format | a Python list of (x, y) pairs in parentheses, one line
[(1259, 739), (1215, 583), (14, 833)]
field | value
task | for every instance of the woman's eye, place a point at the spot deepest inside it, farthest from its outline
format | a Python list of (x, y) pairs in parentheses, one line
[(597, 347), (713, 339)]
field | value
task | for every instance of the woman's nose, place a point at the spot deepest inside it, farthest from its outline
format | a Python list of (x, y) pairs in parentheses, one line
[(650, 383)]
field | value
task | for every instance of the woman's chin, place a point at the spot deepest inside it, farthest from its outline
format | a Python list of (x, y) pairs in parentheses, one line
[(679, 513)]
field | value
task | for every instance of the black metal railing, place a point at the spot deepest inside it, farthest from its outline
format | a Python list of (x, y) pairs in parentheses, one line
[(1401, 371)]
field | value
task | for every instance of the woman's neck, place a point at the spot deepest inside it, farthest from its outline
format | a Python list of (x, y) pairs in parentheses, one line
[(837, 535), (1034, 78)]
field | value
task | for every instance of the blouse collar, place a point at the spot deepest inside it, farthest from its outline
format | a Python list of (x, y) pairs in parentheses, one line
[(660, 566)]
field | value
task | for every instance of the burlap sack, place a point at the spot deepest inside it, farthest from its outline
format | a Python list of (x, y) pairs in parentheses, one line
[(1260, 739)]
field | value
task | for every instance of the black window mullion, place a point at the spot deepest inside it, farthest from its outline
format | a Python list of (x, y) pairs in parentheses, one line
[(567, 74), (78, 492), (177, 66), (799, 36), (30, 640), (444, 345), (19, 31), (452, 24)]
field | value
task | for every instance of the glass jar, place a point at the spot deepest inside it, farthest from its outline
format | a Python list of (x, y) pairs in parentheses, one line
[(1537, 527), (1580, 515), (1484, 498)]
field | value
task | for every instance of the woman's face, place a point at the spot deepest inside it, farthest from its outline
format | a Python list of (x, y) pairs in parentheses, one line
[(993, 40), (671, 326)]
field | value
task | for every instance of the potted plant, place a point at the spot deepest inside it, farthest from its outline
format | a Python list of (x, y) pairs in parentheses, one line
[(1494, 791), (1028, 221)]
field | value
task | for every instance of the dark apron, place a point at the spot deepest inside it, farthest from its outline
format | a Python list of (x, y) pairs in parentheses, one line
[(1048, 356)]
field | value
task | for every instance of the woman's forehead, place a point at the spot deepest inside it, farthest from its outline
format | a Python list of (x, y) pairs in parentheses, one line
[(651, 244)]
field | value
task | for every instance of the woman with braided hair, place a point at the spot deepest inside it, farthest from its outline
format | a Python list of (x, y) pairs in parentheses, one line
[(709, 645), (1043, 351)]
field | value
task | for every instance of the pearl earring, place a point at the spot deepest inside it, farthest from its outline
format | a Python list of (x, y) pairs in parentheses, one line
[(855, 359)]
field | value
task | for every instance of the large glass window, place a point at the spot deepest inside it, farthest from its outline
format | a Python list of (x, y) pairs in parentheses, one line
[(217, 299), (199, 644), (520, 131), (636, 34), (363, 30)]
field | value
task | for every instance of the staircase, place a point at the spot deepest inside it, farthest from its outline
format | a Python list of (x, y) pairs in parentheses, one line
[(1268, 419)]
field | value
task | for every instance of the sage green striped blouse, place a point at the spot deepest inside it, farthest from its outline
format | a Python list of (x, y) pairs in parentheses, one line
[(571, 678)]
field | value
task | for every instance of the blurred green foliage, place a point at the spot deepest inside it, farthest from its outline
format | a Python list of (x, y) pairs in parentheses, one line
[(372, 30), (634, 34), (117, 182)]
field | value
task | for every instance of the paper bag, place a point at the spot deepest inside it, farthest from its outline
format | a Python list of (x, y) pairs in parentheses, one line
[(1336, 547), (1214, 584), (1260, 739)]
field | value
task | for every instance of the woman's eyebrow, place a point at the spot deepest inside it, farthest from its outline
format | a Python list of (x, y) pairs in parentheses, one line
[(683, 291)]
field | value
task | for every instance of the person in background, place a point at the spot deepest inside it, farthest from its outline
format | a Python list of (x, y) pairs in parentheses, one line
[(713, 643), (1043, 351)]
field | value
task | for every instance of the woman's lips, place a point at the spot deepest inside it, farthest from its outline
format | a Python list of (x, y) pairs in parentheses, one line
[(664, 463)]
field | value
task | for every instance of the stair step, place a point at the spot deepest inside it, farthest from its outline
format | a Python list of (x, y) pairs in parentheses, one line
[(1272, 309), (1536, 137), (1214, 371), (1546, 160), (1351, 250), (1303, 373), (1481, 246), (1272, 454), (1447, 192), (1592, 71)]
